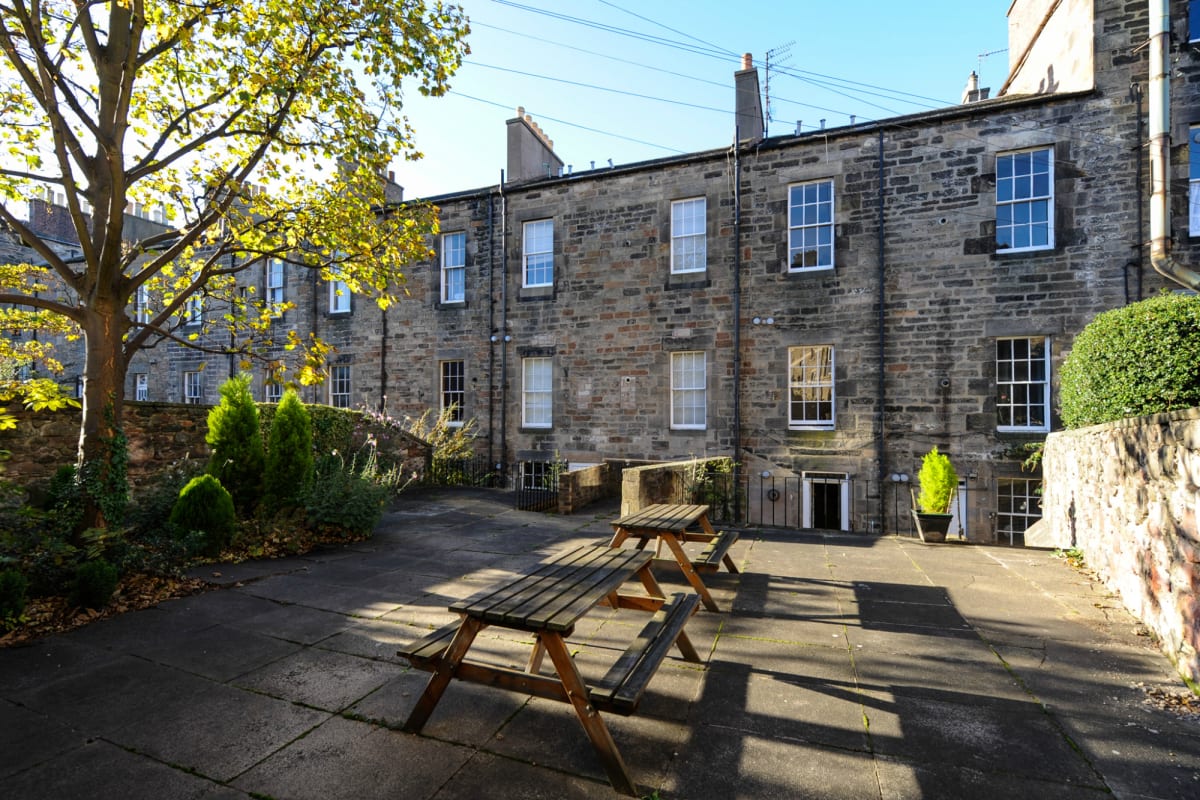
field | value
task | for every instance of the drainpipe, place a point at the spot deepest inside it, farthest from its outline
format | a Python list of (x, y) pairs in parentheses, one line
[(881, 437), (503, 323), (1160, 150), (491, 329), (737, 316)]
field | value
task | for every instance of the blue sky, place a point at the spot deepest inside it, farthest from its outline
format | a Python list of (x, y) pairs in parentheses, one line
[(632, 80)]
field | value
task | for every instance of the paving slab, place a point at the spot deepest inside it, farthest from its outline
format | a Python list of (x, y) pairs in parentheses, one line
[(840, 666)]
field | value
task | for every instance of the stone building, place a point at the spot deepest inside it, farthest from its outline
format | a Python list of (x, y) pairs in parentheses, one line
[(822, 306)]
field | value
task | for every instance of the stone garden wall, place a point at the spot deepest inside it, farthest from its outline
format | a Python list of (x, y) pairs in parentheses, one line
[(161, 434), (1125, 494)]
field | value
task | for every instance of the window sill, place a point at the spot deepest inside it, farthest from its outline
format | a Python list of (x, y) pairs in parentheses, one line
[(808, 270), (688, 280), (450, 305), (811, 428), (1005, 251), (536, 293), (675, 429), (536, 429)]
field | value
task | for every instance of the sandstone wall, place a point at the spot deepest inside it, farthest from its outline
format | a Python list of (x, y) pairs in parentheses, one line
[(1125, 493), (159, 434)]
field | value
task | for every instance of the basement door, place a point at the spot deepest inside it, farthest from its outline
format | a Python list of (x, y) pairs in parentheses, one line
[(825, 497)]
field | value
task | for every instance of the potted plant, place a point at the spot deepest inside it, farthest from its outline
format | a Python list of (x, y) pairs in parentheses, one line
[(931, 508)]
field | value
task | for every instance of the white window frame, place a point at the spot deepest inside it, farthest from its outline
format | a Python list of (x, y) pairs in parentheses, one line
[(272, 391), (1024, 200), (141, 305), (537, 253), (537, 392), (1194, 180), (193, 310), (689, 390), (1017, 499), (812, 383), (339, 386), (454, 267), (811, 221), (339, 297), (453, 389), (275, 282), (1016, 382), (689, 229), (193, 387), (141, 386)]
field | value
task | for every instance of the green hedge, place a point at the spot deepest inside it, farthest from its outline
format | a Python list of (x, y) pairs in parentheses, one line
[(1128, 362)]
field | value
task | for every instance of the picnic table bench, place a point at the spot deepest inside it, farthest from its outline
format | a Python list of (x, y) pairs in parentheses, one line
[(548, 602), (671, 523)]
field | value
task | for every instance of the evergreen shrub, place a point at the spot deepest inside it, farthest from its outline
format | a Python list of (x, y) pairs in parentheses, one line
[(938, 481), (95, 582), (1128, 362), (13, 587), (289, 463), (204, 505), (236, 442)]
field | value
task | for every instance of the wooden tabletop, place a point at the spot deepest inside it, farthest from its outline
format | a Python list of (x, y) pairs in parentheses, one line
[(663, 516), (557, 593)]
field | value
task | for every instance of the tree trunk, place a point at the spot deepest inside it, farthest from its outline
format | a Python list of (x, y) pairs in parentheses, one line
[(102, 455)]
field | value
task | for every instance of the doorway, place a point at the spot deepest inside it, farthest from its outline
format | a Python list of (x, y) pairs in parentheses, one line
[(826, 500)]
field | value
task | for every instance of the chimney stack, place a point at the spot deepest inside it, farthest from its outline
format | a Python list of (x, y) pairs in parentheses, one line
[(972, 93), (748, 101), (530, 150)]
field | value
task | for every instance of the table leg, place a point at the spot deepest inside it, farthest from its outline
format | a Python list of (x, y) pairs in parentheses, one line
[(441, 677), (689, 571), (589, 717), (619, 536), (535, 658)]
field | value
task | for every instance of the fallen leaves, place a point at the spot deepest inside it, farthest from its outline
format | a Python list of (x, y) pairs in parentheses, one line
[(46, 615)]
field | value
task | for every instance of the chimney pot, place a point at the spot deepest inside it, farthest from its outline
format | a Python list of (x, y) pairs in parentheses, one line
[(747, 61), (520, 111)]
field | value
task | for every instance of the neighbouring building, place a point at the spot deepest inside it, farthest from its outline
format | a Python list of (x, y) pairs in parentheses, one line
[(822, 306)]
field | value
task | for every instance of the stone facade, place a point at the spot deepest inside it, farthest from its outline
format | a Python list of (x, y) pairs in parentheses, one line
[(1125, 494), (914, 329)]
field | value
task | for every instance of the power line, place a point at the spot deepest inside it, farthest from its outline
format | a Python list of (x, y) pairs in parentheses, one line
[(541, 116)]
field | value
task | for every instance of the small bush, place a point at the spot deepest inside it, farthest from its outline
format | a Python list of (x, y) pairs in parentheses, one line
[(13, 587), (289, 455), (205, 505), (95, 582), (341, 501), (938, 481), (1140, 359), (237, 447)]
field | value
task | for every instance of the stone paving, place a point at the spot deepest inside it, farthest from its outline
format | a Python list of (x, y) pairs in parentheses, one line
[(841, 666)]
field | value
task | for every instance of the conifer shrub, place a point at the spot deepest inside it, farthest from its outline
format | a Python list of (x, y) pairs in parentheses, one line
[(1128, 362), (13, 586), (95, 582), (204, 505), (289, 463), (236, 442), (938, 481)]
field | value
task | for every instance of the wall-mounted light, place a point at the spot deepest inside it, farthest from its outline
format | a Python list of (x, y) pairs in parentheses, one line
[(766, 473), (495, 338), (507, 338), (757, 320)]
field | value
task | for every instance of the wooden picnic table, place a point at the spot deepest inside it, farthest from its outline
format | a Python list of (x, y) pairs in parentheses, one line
[(548, 602), (671, 523)]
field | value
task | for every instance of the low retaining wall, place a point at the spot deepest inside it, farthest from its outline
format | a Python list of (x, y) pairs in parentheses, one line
[(660, 483), (582, 487), (161, 434), (1125, 494)]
